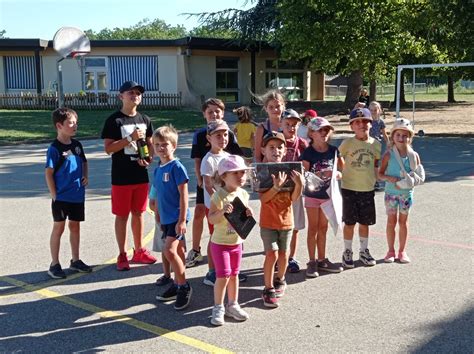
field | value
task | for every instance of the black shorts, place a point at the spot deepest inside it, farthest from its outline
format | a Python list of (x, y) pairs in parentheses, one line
[(199, 195), (358, 207), (248, 152), (169, 230), (66, 210)]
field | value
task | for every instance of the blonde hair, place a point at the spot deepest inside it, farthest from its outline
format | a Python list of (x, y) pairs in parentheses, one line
[(166, 133), (270, 96)]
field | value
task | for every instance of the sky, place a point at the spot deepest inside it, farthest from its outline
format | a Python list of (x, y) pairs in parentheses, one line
[(42, 18)]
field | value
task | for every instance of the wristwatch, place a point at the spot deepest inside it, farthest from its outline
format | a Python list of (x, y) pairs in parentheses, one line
[(129, 138)]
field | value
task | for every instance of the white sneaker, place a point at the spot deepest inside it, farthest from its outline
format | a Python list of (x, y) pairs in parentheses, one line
[(236, 312), (218, 312), (193, 258)]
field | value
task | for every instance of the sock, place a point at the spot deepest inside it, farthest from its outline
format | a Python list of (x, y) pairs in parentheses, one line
[(348, 244), (364, 243)]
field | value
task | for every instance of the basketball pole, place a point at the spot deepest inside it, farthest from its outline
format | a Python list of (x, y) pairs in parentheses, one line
[(60, 84)]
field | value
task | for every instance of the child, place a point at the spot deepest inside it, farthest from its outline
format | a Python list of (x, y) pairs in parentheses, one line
[(361, 154), (306, 117), (377, 131), (294, 148), (121, 131), (245, 132), (226, 245), (212, 110), (276, 220), (170, 180), (364, 97), (398, 201), (66, 174), (318, 158), (274, 104)]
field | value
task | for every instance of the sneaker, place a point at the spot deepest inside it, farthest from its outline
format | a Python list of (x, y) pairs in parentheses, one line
[(390, 257), (269, 298), (403, 257), (183, 298), (56, 272), (122, 262), (293, 265), (242, 278), (236, 312), (80, 266), (327, 266), (163, 280), (218, 312), (312, 269), (210, 278), (366, 258), (143, 256), (169, 294), (347, 261), (193, 258), (280, 287)]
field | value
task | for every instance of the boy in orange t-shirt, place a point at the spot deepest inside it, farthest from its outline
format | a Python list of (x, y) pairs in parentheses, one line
[(276, 220)]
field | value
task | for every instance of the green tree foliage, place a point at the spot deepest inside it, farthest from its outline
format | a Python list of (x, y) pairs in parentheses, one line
[(145, 29), (210, 31), (2, 33)]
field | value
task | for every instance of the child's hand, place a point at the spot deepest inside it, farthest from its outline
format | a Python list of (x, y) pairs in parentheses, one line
[(228, 208), (392, 179), (248, 212), (84, 181), (279, 181), (180, 228), (157, 218), (338, 175), (144, 163), (297, 178)]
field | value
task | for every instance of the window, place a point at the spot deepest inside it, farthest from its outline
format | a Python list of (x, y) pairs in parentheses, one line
[(287, 76), (142, 69), (227, 79), (20, 72), (95, 75)]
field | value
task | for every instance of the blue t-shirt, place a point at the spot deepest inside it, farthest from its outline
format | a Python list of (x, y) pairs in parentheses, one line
[(393, 169), (321, 164), (376, 129), (66, 160), (166, 179)]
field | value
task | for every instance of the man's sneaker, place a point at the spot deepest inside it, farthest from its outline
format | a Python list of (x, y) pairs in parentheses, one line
[(193, 258), (236, 312), (183, 298), (210, 278), (293, 265), (269, 298), (403, 257), (327, 266), (143, 256), (80, 266), (218, 312), (389, 257), (163, 280), (56, 272), (366, 258), (347, 260), (312, 269), (122, 262), (242, 278), (169, 294), (280, 287)]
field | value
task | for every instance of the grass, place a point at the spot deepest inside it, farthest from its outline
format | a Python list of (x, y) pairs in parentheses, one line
[(17, 126), (419, 97)]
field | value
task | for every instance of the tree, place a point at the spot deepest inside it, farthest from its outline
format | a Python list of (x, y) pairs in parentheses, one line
[(209, 31), (2, 33)]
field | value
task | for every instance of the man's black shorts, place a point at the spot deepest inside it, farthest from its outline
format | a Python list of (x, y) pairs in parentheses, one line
[(199, 195), (65, 210), (358, 207)]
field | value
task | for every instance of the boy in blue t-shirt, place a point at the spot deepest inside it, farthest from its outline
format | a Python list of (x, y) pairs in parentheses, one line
[(66, 176)]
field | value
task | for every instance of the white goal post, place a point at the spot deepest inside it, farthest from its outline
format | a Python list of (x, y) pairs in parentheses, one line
[(414, 67)]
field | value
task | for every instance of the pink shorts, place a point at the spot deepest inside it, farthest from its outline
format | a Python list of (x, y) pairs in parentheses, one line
[(313, 202), (226, 259), (131, 197)]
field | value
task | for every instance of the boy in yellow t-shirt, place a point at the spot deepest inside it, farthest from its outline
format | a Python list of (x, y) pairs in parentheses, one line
[(245, 132), (361, 154)]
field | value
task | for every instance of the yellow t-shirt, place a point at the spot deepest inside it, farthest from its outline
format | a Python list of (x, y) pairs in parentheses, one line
[(244, 134), (360, 156), (224, 233)]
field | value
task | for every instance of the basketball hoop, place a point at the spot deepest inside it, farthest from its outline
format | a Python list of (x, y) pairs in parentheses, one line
[(77, 55)]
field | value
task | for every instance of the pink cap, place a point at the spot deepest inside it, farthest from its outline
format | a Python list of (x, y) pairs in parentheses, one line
[(231, 163)]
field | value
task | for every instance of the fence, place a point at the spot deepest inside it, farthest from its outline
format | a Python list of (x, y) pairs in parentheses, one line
[(86, 101), (382, 90)]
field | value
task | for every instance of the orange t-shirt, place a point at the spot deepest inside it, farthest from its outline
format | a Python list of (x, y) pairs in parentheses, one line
[(277, 214)]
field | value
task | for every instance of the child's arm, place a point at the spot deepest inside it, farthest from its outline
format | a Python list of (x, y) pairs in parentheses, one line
[(258, 144), (85, 174), (154, 206), (183, 208), (278, 182), (385, 136), (208, 185), (216, 214), (49, 176), (197, 170), (340, 167), (383, 167), (298, 179), (305, 165)]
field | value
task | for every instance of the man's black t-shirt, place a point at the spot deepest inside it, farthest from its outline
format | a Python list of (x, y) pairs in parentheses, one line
[(201, 146), (125, 167)]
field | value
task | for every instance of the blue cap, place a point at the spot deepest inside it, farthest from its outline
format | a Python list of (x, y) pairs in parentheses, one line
[(358, 113), (130, 85)]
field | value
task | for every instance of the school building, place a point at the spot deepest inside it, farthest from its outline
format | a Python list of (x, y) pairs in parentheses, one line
[(191, 68)]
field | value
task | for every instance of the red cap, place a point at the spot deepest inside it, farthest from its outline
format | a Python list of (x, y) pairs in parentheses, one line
[(311, 113)]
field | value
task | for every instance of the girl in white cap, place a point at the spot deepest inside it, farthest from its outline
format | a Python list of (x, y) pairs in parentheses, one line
[(397, 164)]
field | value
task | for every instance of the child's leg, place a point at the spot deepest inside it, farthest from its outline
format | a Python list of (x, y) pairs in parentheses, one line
[(313, 222), (390, 230), (269, 267), (210, 261), (198, 225), (171, 253), (55, 240), (282, 263), (166, 265), (293, 243), (121, 232), (74, 238), (219, 290), (403, 231), (223, 269), (182, 250), (233, 290), (138, 227), (321, 237), (348, 232), (364, 236)]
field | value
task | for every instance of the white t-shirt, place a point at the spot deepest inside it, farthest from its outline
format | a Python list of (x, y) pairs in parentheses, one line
[(209, 168), (303, 132)]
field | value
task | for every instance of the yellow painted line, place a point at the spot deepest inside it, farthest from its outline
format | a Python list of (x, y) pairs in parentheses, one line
[(103, 313)]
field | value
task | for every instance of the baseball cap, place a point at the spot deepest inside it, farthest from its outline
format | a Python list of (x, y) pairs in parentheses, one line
[(357, 113), (319, 122), (273, 135), (310, 113), (290, 113), (129, 85), (216, 125), (231, 163), (402, 124)]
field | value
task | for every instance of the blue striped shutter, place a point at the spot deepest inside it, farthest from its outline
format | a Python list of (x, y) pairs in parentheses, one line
[(20, 72), (142, 69)]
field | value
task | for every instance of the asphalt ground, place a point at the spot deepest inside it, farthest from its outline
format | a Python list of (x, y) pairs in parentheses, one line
[(424, 306)]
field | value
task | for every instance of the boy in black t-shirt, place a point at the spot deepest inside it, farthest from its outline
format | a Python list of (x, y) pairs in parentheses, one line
[(129, 174)]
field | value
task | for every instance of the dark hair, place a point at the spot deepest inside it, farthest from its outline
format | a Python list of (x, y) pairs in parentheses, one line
[(212, 102), (59, 115), (244, 114)]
